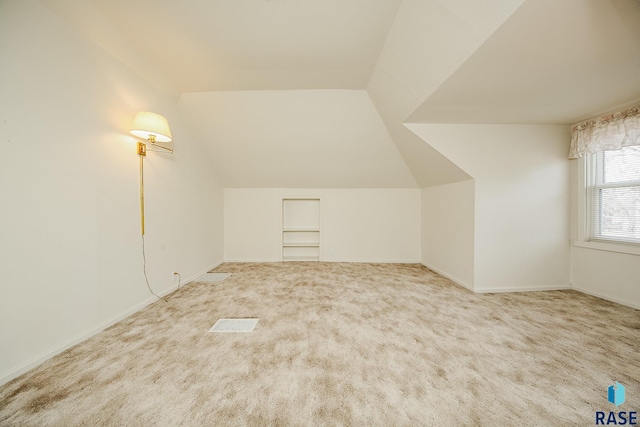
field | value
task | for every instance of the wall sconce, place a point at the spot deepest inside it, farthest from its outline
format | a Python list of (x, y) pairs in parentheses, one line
[(154, 128)]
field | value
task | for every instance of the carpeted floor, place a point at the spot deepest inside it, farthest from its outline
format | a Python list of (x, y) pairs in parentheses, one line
[(341, 344)]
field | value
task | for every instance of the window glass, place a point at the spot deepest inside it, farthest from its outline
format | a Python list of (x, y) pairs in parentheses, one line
[(622, 165), (613, 195)]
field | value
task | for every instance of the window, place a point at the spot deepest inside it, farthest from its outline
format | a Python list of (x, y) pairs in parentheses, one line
[(613, 195)]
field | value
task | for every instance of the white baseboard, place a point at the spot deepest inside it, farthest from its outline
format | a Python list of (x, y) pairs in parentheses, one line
[(361, 261), (606, 297), (378, 261), (524, 289), (450, 277), (495, 290), (14, 373)]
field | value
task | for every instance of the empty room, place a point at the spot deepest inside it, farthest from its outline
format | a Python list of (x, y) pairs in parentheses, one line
[(329, 212)]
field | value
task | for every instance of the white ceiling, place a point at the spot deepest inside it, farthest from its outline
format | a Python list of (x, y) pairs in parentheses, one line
[(434, 61), (213, 45), (552, 61)]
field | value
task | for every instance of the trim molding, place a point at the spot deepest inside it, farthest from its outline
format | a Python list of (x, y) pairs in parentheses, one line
[(629, 249), (14, 373), (376, 261), (527, 289), (605, 297), (363, 261), (532, 289), (495, 290), (448, 276)]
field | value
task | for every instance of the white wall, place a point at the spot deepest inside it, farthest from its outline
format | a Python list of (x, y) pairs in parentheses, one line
[(70, 240), (361, 225), (521, 173), (448, 230), (614, 276), (609, 275), (296, 138)]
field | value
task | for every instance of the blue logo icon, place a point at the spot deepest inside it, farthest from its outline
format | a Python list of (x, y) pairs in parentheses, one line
[(615, 394)]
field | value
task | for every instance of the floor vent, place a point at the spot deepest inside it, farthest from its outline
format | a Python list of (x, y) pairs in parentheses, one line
[(213, 277), (234, 325)]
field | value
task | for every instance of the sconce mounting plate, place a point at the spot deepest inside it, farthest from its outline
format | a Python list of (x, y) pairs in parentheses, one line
[(142, 149)]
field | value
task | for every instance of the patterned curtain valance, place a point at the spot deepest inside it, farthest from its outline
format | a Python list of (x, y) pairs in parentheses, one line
[(610, 132)]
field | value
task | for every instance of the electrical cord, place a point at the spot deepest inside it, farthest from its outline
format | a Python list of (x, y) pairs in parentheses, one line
[(168, 297), (144, 270), (146, 279)]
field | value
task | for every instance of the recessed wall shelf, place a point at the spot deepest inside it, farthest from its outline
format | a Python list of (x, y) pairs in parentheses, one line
[(300, 229)]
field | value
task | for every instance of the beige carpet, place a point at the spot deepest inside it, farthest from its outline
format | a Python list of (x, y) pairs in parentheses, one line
[(341, 344)]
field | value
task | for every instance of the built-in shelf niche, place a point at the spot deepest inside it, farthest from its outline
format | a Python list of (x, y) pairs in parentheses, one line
[(301, 229)]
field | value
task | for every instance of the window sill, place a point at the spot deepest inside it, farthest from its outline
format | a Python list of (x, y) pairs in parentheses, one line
[(610, 247)]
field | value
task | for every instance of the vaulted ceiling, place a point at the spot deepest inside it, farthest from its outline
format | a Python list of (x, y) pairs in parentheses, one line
[(551, 62), (362, 70), (213, 45)]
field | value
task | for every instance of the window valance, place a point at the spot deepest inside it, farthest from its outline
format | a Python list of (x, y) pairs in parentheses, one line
[(610, 132)]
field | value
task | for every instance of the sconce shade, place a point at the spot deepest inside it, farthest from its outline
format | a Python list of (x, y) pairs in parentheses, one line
[(146, 125)]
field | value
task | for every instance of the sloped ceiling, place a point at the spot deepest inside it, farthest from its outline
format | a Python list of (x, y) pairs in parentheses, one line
[(428, 41), (212, 45), (363, 70), (302, 138), (552, 62)]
